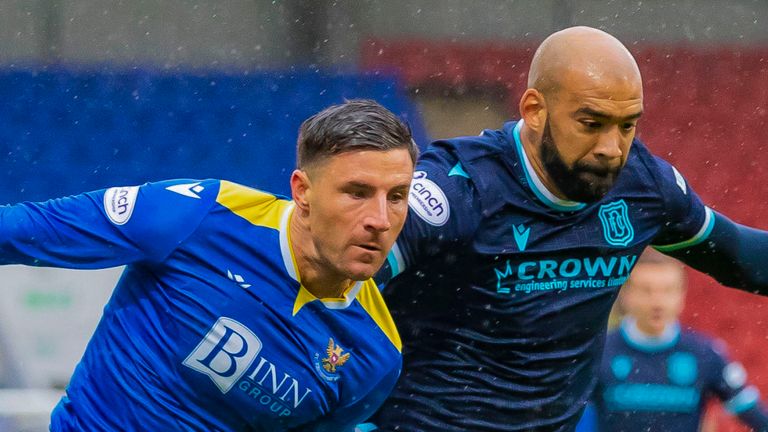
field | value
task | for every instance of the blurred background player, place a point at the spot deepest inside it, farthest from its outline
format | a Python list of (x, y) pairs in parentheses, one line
[(655, 376), (238, 309)]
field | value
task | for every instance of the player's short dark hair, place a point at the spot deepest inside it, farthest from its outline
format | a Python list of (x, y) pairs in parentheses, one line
[(357, 124)]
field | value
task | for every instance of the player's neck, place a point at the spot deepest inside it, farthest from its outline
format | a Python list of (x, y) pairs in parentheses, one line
[(650, 331), (315, 274), (644, 330), (531, 146)]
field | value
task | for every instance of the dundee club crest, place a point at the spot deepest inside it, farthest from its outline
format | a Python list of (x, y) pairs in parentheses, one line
[(617, 229)]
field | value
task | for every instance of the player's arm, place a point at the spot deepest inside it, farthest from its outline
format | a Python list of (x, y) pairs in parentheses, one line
[(737, 395), (441, 205), (708, 241), (100, 229), (347, 418), (733, 254)]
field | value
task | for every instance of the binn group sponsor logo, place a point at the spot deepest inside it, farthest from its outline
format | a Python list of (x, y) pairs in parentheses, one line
[(119, 203), (230, 355), (428, 200)]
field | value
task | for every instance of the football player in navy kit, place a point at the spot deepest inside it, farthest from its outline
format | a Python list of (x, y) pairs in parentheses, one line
[(238, 310), (655, 376), (519, 240)]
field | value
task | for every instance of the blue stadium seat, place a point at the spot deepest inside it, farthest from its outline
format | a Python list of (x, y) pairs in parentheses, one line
[(66, 131)]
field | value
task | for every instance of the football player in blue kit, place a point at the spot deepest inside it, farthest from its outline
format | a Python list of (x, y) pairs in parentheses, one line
[(519, 240), (238, 310), (655, 376)]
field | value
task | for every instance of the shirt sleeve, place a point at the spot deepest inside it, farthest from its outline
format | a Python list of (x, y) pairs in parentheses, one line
[(442, 212), (707, 241), (105, 228), (345, 419), (730, 385), (688, 221)]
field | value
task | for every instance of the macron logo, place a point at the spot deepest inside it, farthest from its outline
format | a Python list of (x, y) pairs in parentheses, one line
[(521, 236), (189, 189), (239, 279)]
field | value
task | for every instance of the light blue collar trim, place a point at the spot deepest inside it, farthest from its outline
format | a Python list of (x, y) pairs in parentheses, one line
[(642, 342), (537, 186)]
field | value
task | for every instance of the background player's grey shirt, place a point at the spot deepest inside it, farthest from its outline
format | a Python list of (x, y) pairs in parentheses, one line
[(504, 290)]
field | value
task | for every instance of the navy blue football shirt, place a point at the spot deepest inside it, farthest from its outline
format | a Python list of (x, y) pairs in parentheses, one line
[(503, 290), (663, 383)]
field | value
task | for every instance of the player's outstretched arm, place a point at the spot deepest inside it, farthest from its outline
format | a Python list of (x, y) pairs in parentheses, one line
[(739, 398), (733, 254), (706, 240), (98, 229)]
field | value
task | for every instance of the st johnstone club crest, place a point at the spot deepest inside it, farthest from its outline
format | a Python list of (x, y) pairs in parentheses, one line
[(617, 229), (335, 358)]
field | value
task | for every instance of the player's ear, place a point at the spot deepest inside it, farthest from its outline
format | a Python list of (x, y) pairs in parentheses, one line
[(300, 189), (533, 109)]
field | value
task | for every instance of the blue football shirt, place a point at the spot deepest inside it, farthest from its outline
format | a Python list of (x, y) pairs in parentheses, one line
[(503, 290), (663, 383), (209, 327)]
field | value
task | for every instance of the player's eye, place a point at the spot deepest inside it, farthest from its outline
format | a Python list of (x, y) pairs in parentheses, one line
[(628, 126), (397, 197), (591, 124), (356, 192)]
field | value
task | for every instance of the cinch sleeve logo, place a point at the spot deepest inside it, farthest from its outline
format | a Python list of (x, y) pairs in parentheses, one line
[(119, 203), (428, 201), (680, 180)]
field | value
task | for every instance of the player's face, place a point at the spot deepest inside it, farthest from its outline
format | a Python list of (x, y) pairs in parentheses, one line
[(654, 296), (587, 135), (358, 205)]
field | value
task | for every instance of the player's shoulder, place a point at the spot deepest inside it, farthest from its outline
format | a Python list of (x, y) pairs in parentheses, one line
[(154, 201), (237, 194), (658, 169), (614, 340), (702, 343), (445, 185), (489, 144), (183, 189), (370, 299), (254, 205), (470, 164), (643, 163)]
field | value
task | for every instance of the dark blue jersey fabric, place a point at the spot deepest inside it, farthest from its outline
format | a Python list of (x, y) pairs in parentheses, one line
[(663, 384), (503, 290)]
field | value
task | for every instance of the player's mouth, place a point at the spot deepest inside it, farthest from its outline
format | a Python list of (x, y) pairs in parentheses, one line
[(371, 247)]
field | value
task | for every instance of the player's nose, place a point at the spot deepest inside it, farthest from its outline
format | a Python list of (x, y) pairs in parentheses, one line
[(609, 145), (377, 215)]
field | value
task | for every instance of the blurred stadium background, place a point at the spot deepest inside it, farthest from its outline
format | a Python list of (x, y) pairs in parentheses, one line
[(119, 92)]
